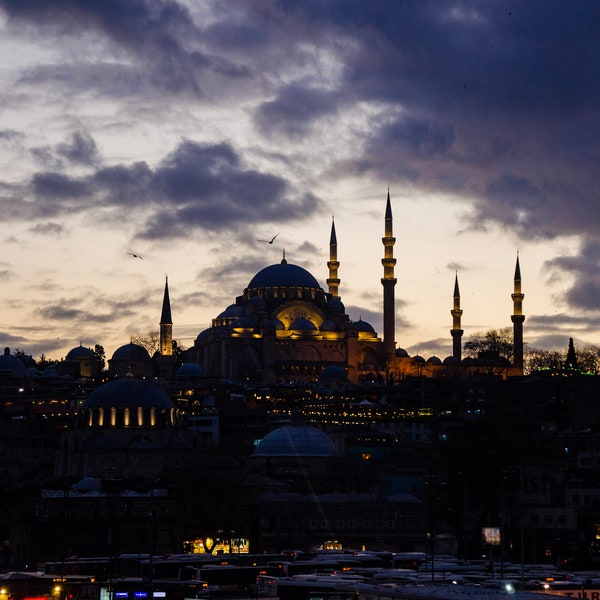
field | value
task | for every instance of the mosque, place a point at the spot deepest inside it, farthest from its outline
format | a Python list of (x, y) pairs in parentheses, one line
[(286, 328)]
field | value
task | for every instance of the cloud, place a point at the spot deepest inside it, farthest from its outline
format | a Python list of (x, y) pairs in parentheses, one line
[(81, 149), (48, 228), (204, 187), (295, 110)]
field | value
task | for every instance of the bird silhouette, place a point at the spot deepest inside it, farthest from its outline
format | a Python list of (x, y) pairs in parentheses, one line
[(269, 241), (136, 255)]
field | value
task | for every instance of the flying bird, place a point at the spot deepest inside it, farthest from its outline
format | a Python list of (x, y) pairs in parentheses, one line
[(269, 241), (136, 255)]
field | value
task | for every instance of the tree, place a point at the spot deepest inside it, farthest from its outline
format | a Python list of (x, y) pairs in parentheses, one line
[(571, 360), (177, 353), (151, 341), (536, 359), (498, 342), (99, 357)]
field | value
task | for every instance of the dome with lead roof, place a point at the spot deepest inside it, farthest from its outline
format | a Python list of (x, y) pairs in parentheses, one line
[(80, 353), (132, 352), (128, 392), (299, 440), (283, 274)]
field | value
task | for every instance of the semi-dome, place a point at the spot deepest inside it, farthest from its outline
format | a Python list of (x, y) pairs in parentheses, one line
[(283, 274), (190, 369), (128, 392), (80, 353), (232, 311), (131, 351), (303, 324), (328, 326), (300, 440)]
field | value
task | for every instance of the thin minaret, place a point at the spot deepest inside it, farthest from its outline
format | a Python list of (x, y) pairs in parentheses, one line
[(166, 324), (517, 319), (456, 330), (333, 264), (389, 282)]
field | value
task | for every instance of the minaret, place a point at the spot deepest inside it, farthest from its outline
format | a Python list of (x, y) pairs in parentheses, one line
[(517, 319), (456, 330), (389, 281), (333, 264), (166, 324)]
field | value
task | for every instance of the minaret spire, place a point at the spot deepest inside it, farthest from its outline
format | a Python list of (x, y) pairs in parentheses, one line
[(456, 330), (389, 282), (518, 318), (333, 264), (166, 324)]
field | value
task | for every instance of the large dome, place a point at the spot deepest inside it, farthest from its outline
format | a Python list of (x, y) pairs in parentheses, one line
[(128, 392), (296, 440), (80, 353), (283, 274), (131, 351)]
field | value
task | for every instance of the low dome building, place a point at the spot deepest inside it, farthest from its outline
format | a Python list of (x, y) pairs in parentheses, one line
[(127, 427)]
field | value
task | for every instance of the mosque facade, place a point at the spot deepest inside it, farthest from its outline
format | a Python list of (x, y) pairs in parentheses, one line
[(285, 328)]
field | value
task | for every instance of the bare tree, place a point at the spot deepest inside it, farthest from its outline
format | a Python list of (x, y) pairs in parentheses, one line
[(490, 342), (150, 341)]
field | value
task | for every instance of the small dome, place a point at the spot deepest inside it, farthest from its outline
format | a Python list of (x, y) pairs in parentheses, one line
[(418, 359), (300, 440), (283, 274), (333, 372), (80, 353), (128, 392), (401, 353), (434, 360), (451, 361), (303, 324), (12, 365), (328, 326), (469, 361), (131, 351), (187, 370), (360, 325)]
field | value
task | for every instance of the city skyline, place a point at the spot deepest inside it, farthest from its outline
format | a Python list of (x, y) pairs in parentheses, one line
[(148, 139)]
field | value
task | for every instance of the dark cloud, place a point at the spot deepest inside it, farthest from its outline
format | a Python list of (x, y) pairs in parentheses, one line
[(160, 35), (295, 110), (583, 269), (196, 187), (81, 149), (47, 228), (10, 135)]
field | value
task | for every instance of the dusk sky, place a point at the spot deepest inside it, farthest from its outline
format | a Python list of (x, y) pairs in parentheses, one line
[(184, 131)]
